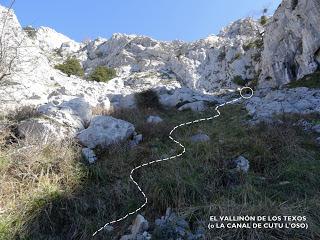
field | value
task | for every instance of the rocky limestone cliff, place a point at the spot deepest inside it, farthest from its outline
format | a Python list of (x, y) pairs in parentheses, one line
[(291, 43), (285, 49), (204, 65)]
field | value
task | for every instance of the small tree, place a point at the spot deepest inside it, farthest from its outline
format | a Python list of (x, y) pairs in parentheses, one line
[(71, 66), (239, 80), (102, 74), (263, 20), (31, 32), (148, 99)]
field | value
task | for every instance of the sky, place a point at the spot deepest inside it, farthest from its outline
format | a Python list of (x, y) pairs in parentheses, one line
[(187, 20)]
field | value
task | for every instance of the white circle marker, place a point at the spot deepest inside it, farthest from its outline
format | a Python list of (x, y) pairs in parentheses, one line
[(246, 95)]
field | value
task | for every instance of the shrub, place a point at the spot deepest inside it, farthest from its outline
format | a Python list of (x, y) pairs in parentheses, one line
[(23, 113), (255, 44), (147, 99), (253, 83), (31, 32), (237, 56), (102, 74), (239, 80), (71, 66), (263, 20), (310, 81), (221, 56)]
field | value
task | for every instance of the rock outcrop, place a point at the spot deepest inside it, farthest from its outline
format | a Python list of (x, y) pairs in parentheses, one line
[(184, 75), (104, 131), (298, 100), (42, 131), (291, 43)]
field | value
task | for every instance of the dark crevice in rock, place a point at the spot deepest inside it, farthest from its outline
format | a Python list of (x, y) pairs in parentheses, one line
[(294, 4)]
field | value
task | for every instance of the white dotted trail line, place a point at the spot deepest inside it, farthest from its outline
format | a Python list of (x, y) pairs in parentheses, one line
[(170, 158)]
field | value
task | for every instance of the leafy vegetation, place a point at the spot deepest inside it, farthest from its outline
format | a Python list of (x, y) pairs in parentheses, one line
[(147, 99), (253, 83), (222, 56), (310, 81), (263, 20), (258, 43), (49, 193), (239, 80), (31, 32), (71, 66), (102, 74)]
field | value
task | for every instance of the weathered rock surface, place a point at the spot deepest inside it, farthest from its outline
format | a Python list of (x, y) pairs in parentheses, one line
[(195, 106), (316, 128), (89, 155), (154, 119), (185, 75), (242, 164), (180, 96), (136, 140), (138, 230), (200, 137), (75, 113), (291, 43), (42, 131), (172, 226), (104, 131), (298, 100)]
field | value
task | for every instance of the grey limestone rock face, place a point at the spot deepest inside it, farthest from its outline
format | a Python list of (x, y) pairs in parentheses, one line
[(291, 43)]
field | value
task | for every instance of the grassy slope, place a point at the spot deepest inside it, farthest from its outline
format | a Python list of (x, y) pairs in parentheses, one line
[(49, 194)]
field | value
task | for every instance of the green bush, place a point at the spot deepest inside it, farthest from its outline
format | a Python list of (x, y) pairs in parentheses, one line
[(239, 80), (71, 66), (31, 32), (255, 44), (310, 81), (221, 56), (103, 74), (263, 20), (147, 99)]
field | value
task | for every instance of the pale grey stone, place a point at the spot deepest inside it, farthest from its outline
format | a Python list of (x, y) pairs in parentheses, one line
[(200, 137), (242, 164), (104, 131)]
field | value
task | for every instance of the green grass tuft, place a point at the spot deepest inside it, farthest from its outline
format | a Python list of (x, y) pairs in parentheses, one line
[(309, 81)]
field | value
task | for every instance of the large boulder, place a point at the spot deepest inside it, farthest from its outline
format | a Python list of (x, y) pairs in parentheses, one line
[(57, 122), (291, 43), (104, 131), (198, 106), (181, 96), (75, 113), (43, 131)]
